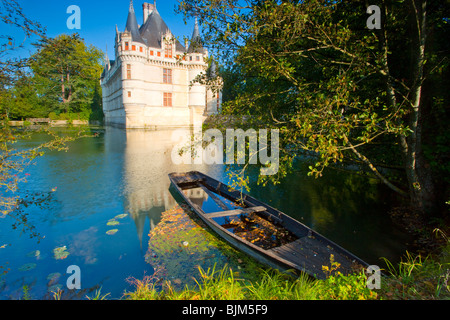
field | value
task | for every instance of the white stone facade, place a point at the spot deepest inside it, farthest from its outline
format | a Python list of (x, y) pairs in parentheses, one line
[(150, 83)]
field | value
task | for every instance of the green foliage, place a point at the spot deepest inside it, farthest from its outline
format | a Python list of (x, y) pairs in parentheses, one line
[(418, 277), (24, 102), (218, 285), (337, 91), (16, 92), (98, 295), (275, 285), (66, 74), (349, 287), (272, 285)]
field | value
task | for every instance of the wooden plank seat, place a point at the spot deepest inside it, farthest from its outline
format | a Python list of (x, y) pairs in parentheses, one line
[(235, 212)]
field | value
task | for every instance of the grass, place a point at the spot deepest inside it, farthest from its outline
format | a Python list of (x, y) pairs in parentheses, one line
[(223, 284), (414, 278)]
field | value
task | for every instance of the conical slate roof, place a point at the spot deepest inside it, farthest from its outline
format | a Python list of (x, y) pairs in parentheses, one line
[(153, 29), (212, 71), (196, 45), (132, 25)]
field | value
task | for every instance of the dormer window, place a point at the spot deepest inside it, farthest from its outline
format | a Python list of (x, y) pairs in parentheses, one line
[(168, 51), (126, 46)]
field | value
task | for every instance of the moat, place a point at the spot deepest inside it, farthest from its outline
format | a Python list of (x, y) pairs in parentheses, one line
[(102, 198)]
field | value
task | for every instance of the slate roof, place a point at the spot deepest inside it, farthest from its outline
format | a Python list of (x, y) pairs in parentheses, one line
[(132, 25), (153, 29), (196, 45)]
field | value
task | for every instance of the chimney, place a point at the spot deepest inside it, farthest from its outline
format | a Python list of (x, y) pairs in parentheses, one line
[(148, 9)]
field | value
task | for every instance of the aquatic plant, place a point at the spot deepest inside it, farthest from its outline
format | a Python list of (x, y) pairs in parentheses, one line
[(60, 253), (112, 222), (98, 296), (27, 267), (34, 254)]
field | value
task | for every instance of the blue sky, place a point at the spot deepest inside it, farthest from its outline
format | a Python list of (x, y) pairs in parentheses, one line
[(98, 19)]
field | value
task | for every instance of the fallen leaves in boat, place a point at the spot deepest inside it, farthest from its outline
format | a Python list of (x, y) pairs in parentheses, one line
[(60, 253), (259, 231)]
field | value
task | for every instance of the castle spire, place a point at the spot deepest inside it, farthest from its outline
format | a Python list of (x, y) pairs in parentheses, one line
[(107, 62), (196, 41), (132, 25)]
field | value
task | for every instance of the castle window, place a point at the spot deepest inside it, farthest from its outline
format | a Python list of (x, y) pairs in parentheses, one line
[(158, 54), (128, 71), (129, 94), (151, 52), (198, 58), (133, 47), (126, 46), (167, 75), (167, 99), (168, 51), (190, 58), (140, 49)]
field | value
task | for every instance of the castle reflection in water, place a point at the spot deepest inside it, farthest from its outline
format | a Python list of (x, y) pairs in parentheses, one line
[(146, 164)]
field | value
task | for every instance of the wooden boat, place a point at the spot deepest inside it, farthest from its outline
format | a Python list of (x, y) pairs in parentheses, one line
[(261, 231)]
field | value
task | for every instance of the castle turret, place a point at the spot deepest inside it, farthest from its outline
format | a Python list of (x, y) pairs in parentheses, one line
[(214, 90), (196, 45), (132, 26), (196, 56)]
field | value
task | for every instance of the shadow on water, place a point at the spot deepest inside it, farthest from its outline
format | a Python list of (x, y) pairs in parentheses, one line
[(348, 208)]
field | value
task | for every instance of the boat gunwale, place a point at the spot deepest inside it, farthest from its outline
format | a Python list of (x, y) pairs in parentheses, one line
[(285, 220)]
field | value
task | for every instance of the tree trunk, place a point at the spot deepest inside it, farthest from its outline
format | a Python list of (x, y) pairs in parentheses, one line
[(420, 185), (417, 172)]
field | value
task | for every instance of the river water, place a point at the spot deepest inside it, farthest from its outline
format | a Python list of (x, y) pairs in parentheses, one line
[(125, 173)]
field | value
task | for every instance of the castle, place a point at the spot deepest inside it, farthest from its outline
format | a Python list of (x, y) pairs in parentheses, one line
[(150, 82)]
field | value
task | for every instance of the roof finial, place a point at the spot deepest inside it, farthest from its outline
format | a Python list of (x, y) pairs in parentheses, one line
[(131, 6)]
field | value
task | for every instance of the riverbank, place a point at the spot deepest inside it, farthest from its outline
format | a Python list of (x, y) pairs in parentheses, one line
[(54, 123), (229, 277)]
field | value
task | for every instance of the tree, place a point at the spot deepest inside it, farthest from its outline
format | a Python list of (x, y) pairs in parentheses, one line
[(334, 88), (13, 80), (12, 17), (24, 101), (66, 72)]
